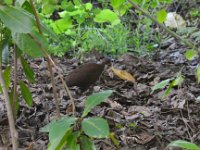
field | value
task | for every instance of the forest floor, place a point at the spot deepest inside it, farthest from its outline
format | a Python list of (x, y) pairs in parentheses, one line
[(139, 119)]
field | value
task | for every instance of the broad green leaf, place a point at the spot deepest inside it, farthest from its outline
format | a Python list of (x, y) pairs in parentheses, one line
[(61, 25), (87, 143), (16, 19), (59, 131), (28, 45), (27, 70), (48, 7), (20, 21), (26, 94), (184, 144), (5, 51), (190, 54), (95, 127), (116, 3), (161, 16), (95, 99), (88, 6), (160, 85), (59, 142), (107, 15), (198, 73), (65, 120)]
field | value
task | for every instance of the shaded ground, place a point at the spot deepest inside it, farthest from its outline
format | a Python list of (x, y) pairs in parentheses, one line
[(140, 119)]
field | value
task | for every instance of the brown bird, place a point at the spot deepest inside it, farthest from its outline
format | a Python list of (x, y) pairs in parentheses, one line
[(86, 74)]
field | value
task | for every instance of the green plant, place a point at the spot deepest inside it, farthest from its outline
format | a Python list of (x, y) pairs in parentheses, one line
[(169, 83), (19, 30), (81, 27), (145, 40), (110, 40), (78, 133), (184, 144)]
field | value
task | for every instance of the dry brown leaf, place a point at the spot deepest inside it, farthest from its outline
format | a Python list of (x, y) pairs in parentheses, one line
[(123, 75)]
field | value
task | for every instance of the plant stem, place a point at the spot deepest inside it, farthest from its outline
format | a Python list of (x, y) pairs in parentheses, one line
[(13, 131), (49, 63), (15, 82)]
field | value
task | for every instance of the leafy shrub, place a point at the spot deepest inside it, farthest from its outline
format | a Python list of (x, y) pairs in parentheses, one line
[(75, 133)]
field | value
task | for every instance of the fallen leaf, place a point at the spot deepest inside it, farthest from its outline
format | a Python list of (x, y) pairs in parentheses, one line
[(174, 20), (123, 75)]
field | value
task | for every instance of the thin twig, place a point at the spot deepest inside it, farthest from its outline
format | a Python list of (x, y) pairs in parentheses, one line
[(13, 131), (57, 68), (187, 126), (50, 60), (49, 63), (15, 82), (54, 90)]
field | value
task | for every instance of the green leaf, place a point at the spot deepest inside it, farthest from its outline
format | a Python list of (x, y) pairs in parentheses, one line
[(116, 3), (26, 94), (88, 6), (6, 77), (72, 143), (178, 81), (87, 143), (20, 21), (49, 7), (5, 51), (95, 127), (26, 5), (184, 144), (95, 99), (160, 85), (198, 73), (59, 142), (61, 25), (59, 132), (28, 45), (168, 91), (16, 19), (161, 16), (107, 15), (190, 54), (27, 70), (12, 102), (65, 121), (120, 11), (8, 2), (19, 2)]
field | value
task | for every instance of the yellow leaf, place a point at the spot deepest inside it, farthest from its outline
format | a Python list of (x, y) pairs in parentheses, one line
[(123, 75)]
